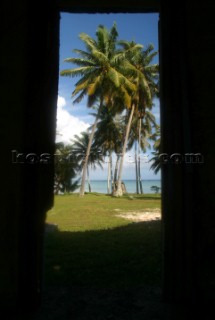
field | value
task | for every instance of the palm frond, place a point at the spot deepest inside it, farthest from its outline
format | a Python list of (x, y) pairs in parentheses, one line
[(80, 61), (102, 36), (76, 71), (89, 42), (92, 99), (80, 96), (83, 54), (114, 76), (94, 85), (100, 57), (126, 98), (152, 69)]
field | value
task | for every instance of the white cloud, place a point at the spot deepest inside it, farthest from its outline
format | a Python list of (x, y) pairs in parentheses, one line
[(67, 124), (61, 102)]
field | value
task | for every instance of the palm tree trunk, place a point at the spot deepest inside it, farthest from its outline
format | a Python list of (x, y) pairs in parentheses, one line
[(57, 189), (136, 169), (119, 192), (140, 179), (116, 171), (88, 179), (139, 144), (108, 179), (57, 186), (110, 174), (84, 172), (116, 168), (111, 171)]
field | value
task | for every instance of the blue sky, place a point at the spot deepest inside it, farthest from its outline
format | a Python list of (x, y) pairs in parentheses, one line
[(72, 119)]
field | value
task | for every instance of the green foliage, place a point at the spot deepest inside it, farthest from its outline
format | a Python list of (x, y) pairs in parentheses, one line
[(110, 139), (155, 189), (66, 168), (79, 149), (156, 164), (98, 66), (69, 161)]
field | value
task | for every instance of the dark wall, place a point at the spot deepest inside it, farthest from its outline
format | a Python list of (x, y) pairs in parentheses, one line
[(29, 75), (94, 6), (187, 71), (201, 48), (29, 86)]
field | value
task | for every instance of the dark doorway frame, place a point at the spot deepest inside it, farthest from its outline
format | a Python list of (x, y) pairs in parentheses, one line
[(30, 113)]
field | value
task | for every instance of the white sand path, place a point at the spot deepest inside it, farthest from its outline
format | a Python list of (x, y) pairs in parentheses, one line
[(147, 214)]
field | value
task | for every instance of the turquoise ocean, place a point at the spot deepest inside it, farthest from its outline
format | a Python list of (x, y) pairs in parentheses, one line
[(101, 185)]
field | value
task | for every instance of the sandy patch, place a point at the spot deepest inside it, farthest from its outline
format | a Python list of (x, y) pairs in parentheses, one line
[(146, 215)]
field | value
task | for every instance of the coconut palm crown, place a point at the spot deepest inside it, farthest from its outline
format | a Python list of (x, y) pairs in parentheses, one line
[(98, 67)]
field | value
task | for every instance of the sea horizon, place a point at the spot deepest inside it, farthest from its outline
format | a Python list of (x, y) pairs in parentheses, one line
[(127, 179), (100, 185)]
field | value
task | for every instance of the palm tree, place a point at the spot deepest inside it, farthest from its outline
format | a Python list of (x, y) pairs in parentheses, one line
[(65, 169), (100, 75), (156, 164), (108, 137), (145, 77), (80, 145), (142, 131)]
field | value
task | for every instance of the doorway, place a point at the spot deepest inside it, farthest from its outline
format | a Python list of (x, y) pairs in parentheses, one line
[(105, 247)]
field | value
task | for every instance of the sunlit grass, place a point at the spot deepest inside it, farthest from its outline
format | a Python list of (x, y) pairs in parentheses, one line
[(96, 211), (95, 248)]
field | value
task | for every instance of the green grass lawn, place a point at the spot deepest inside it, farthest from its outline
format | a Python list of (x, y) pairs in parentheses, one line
[(94, 248), (97, 211)]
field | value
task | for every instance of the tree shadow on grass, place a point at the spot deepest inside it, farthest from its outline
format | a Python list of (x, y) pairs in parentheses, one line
[(132, 196), (106, 274)]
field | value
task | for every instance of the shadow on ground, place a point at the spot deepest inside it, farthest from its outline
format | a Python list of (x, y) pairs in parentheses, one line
[(108, 274)]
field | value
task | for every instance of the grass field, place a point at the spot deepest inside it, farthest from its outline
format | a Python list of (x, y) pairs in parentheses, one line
[(94, 246), (96, 257)]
